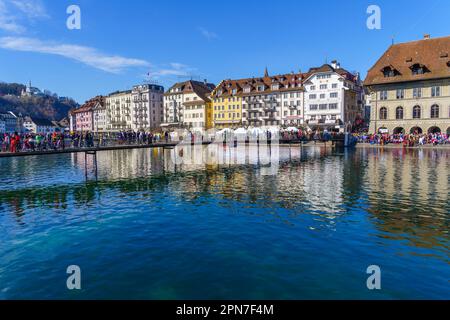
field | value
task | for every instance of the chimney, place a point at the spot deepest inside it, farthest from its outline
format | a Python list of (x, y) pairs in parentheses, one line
[(426, 36)]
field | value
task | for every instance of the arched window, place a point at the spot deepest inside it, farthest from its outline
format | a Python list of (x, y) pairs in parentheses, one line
[(399, 113), (383, 113), (417, 112), (434, 111)]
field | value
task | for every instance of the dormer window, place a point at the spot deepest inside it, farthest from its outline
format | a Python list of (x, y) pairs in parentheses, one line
[(275, 86), (220, 92), (234, 91), (261, 88), (419, 69), (389, 72), (247, 89)]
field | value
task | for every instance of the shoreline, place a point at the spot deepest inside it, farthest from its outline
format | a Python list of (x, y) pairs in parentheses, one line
[(400, 146)]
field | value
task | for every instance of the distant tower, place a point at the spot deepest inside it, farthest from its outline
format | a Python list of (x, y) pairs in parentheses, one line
[(266, 73)]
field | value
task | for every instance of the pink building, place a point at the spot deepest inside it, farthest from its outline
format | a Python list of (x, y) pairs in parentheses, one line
[(84, 115)]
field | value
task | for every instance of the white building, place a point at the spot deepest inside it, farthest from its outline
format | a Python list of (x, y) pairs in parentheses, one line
[(99, 115), (147, 109), (36, 125), (272, 100), (31, 91), (118, 111), (333, 97), (10, 123), (185, 104)]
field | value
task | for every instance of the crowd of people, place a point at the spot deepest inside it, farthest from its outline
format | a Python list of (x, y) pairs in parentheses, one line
[(25, 142), (29, 142), (407, 140), (19, 142)]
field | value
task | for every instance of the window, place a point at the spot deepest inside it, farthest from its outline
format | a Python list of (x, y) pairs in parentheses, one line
[(417, 112), (313, 107), (334, 85), (418, 69), (417, 93), (312, 88), (383, 113), (323, 87), (389, 72), (400, 93), (333, 106), (322, 96), (313, 96), (323, 107), (435, 91), (333, 95), (399, 113), (434, 111), (383, 95)]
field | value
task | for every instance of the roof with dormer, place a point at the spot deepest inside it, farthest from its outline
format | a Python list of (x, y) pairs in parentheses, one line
[(433, 54)]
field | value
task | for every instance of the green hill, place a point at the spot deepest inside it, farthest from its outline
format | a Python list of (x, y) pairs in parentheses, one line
[(47, 106)]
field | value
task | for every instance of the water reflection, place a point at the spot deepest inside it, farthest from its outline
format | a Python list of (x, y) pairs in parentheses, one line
[(405, 192)]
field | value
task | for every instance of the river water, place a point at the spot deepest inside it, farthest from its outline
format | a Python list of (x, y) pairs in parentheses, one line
[(157, 227)]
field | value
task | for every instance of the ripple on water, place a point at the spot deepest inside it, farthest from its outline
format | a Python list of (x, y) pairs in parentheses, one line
[(150, 230)]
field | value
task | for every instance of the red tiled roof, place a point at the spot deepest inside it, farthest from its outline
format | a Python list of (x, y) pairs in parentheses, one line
[(202, 89), (90, 104), (431, 53)]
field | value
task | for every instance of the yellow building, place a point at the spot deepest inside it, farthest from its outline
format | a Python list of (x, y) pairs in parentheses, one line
[(209, 116), (226, 103), (186, 105)]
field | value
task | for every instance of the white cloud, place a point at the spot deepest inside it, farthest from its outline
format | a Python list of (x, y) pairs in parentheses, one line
[(14, 14), (87, 55), (208, 34), (7, 21), (33, 9), (174, 69)]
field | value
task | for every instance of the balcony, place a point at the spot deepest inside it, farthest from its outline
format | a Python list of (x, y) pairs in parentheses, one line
[(270, 109)]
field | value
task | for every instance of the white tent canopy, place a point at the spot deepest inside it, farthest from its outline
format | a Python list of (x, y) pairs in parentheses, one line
[(240, 131)]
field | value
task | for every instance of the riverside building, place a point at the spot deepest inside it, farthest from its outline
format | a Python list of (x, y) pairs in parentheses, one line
[(187, 105), (410, 88), (333, 98), (147, 107), (118, 111)]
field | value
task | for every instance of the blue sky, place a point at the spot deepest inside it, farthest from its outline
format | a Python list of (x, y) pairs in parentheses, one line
[(120, 42)]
